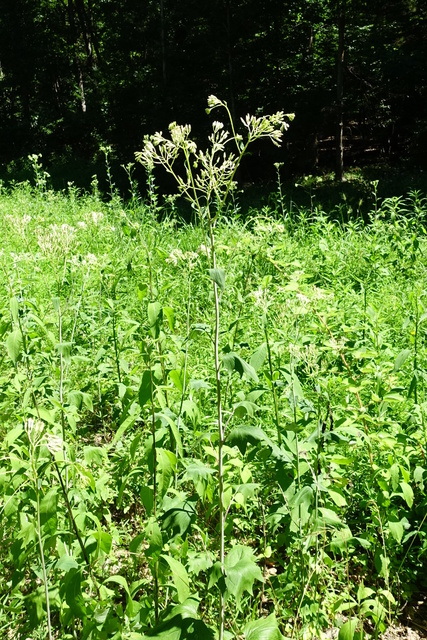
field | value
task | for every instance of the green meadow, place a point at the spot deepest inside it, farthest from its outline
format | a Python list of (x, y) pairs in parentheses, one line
[(197, 449)]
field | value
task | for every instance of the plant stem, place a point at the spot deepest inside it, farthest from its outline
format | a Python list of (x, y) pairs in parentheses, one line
[(273, 387), (40, 542)]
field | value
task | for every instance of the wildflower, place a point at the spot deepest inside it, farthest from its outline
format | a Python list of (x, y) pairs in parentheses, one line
[(90, 259), (34, 430), (174, 257), (54, 443), (97, 216)]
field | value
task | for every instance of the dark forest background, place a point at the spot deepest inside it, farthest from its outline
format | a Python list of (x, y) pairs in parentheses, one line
[(77, 75)]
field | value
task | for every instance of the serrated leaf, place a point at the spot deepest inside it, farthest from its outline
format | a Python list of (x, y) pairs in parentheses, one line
[(263, 629), (218, 276), (241, 571), (179, 577), (14, 345), (199, 561)]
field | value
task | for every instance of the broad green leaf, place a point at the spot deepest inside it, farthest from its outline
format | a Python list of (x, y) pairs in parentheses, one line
[(258, 357), (263, 629), (199, 384), (146, 495), (153, 535), (330, 517), (166, 419), (241, 571), (218, 276), (199, 561), (104, 541), (64, 350), (394, 476), (337, 497), (48, 511), (14, 308), (166, 462), (364, 592), (401, 359), (170, 315), (408, 494), (245, 491), (72, 586), (244, 408), (178, 514), (233, 362), (181, 623), (95, 455), (177, 377), (66, 563), (348, 629), (126, 424), (242, 436), (303, 497), (155, 317), (13, 434), (42, 413), (144, 393), (120, 580), (14, 345), (179, 577)]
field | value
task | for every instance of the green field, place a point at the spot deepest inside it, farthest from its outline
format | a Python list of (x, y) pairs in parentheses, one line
[(113, 508)]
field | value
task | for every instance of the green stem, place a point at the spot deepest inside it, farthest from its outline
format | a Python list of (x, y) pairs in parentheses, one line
[(40, 543), (273, 386)]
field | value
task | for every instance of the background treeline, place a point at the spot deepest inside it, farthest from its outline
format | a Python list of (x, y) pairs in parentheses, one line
[(79, 74)]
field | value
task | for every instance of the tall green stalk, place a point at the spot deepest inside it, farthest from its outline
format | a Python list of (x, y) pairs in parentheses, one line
[(208, 182)]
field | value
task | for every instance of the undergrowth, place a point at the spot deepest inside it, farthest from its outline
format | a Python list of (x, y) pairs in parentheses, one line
[(111, 517)]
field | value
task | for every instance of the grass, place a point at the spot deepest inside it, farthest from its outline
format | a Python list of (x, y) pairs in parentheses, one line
[(109, 511)]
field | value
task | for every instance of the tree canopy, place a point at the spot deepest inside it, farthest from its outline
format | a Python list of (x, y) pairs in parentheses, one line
[(78, 74)]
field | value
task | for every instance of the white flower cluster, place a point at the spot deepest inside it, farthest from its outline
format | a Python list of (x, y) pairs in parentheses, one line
[(57, 239), (261, 298), (176, 256), (19, 224)]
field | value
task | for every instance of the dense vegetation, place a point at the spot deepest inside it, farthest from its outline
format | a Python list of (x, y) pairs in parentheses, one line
[(78, 75), (124, 512)]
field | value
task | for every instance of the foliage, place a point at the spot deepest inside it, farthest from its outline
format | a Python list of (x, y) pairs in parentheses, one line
[(109, 509), (79, 75)]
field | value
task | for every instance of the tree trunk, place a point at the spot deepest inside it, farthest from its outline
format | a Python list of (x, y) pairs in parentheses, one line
[(163, 42), (230, 61), (339, 167)]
